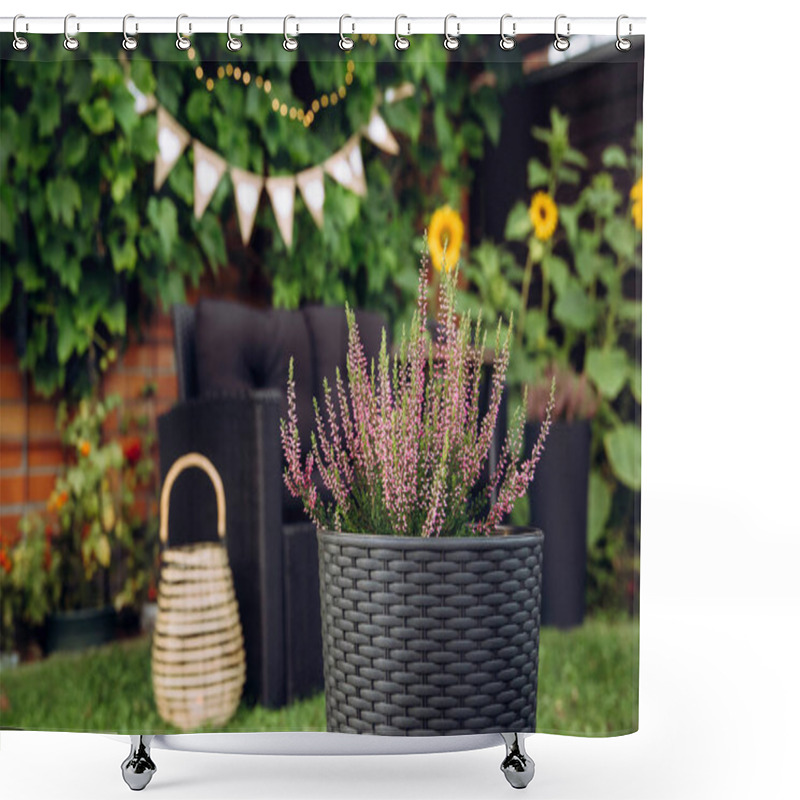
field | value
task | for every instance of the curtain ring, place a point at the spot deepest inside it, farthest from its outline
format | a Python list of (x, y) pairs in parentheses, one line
[(451, 42), (70, 42), (20, 42), (233, 44), (507, 42), (562, 42), (129, 42), (182, 43), (345, 42), (289, 43), (400, 42), (623, 44)]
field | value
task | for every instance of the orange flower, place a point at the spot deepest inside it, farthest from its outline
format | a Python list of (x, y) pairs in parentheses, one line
[(5, 561), (85, 448), (59, 500)]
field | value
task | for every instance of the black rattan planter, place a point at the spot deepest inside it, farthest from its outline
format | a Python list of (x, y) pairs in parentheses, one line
[(425, 637)]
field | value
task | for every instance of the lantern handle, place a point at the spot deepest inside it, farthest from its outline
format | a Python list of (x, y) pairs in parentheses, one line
[(182, 463)]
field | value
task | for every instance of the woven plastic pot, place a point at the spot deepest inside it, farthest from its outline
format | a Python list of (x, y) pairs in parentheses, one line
[(429, 637)]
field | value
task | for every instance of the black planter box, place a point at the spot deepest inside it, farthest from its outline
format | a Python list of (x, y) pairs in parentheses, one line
[(559, 505), (77, 630), (427, 637)]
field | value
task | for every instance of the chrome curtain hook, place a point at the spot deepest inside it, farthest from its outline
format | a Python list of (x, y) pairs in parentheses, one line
[(182, 43), (623, 44), (20, 43), (233, 44), (345, 42), (507, 42), (129, 42), (400, 42), (562, 42), (451, 42), (289, 42), (70, 42)]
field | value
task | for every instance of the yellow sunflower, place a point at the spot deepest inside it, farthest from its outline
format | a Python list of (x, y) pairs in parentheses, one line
[(445, 234), (636, 205), (544, 215)]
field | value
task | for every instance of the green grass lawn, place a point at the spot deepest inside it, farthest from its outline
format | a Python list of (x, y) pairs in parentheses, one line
[(588, 684)]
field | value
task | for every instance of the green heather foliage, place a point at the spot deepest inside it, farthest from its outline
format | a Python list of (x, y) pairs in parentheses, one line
[(588, 684), (88, 247)]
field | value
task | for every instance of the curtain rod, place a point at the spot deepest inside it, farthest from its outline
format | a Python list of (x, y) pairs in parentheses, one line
[(348, 25)]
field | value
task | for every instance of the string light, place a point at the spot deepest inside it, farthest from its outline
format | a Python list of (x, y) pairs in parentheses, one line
[(299, 114)]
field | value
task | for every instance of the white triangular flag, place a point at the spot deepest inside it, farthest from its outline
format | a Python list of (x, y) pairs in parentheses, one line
[(247, 192), (377, 131), (401, 92), (172, 141), (347, 168), (311, 183), (208, 171), (142, 102), (281, 195)]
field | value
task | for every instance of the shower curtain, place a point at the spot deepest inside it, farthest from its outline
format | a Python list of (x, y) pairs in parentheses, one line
[(176, 225)]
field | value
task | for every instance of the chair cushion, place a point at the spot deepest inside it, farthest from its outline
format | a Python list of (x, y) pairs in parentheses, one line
[(239, 349)]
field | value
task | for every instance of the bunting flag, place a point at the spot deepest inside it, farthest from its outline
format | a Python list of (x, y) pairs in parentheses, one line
[(208, 171), (172, 141), (377, 131), (247, 192), (281, 195), (142, 103), (347, 168), (311, 183)]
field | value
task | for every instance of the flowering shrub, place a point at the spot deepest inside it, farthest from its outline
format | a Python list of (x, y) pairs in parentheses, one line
[(402, 448), (62, 558)]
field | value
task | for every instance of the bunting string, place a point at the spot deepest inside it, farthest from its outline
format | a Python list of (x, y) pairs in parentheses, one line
[(345, 166)]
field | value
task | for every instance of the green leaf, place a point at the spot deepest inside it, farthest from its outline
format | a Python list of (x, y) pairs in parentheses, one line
[(574, 309), (635, 381), (574, 156), (608, 369), (569, 175), (518, 224), (124, 108), (614, 156), (114, 318), (557, 272), (538, 174), (123, 253), (623, 446), (599, 507), (74, 146), (63, 199), (6, 288), (98, 116), (69, 273), (29, 276), (535, 327), (620, 236), (163, 217)]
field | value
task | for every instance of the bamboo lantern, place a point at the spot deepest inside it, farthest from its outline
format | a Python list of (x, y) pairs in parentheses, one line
[(198, 649)]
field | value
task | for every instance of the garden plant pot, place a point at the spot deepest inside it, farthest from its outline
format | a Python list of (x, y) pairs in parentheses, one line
[(77, 630), (559, 504), (425, 637)]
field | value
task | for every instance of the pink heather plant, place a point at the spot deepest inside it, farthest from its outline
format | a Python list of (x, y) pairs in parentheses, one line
[(401, 450)]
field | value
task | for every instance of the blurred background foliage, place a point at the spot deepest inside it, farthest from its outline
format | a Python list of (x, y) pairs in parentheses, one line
[(93, 247)]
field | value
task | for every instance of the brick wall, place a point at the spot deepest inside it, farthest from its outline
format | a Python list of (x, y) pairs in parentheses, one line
[(31, 455)]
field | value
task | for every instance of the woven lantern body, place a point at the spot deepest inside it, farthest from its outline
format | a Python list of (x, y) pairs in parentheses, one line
[(198, 648)]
